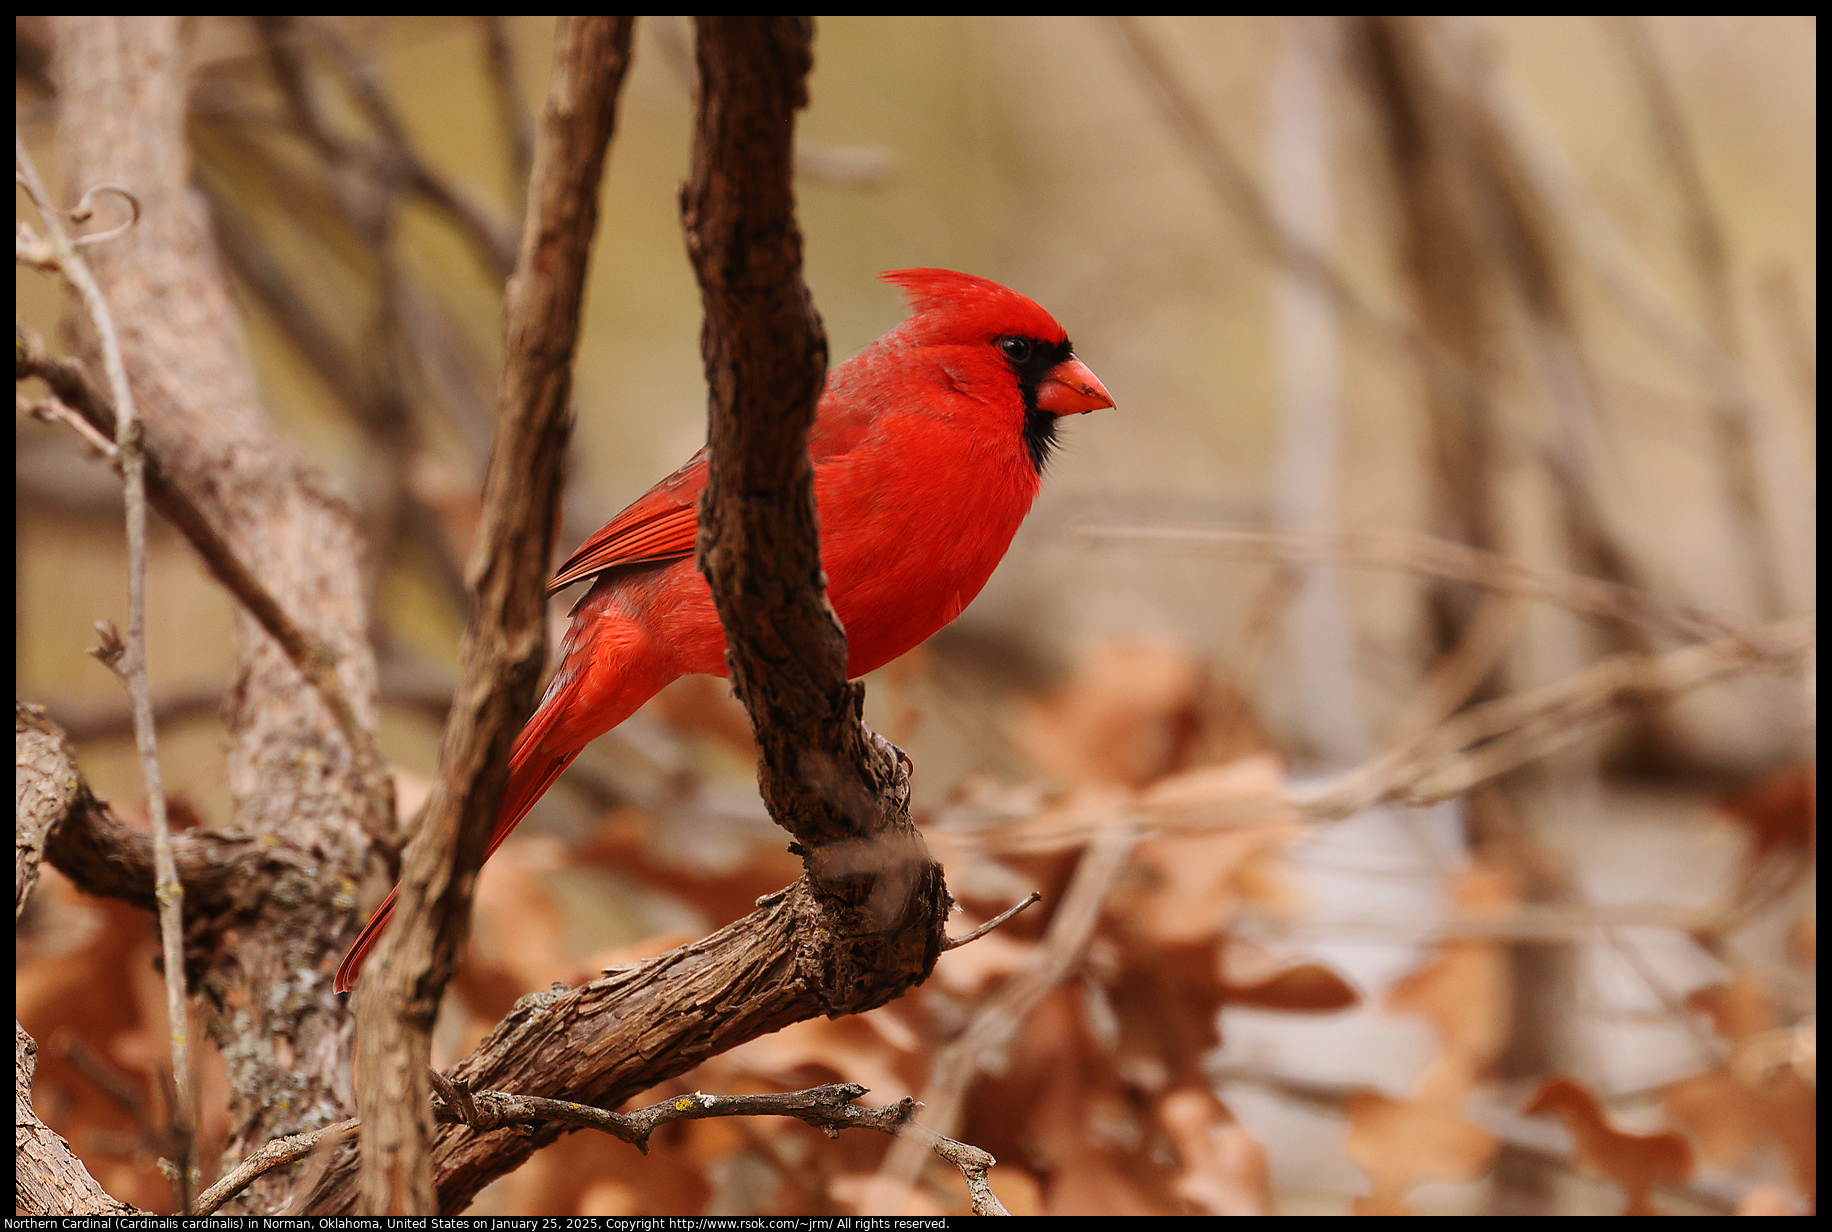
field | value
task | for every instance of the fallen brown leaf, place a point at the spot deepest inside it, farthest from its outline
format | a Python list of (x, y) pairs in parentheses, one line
[(1222, 1169), (1401, 1143), (1635, 1162)]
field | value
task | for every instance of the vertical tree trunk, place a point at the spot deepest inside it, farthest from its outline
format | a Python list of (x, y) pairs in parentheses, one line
[(1447, 201), (265, 970)]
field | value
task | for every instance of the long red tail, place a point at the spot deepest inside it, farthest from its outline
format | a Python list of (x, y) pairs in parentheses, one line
[(532, 770)]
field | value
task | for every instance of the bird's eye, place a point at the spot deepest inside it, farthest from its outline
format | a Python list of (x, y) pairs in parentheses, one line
[(1017, 350)]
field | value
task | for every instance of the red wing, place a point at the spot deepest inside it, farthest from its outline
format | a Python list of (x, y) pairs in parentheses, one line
[(662, 523), (659, 526)]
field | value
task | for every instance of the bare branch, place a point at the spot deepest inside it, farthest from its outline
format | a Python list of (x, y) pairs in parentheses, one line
[(1495, 737), (505, 644), (130, 662), (78, 834), (104, 857), (53, 410), (392, 159), (276, 1154), (955, 943), (1435, 557), (518, 126), (826, 778)]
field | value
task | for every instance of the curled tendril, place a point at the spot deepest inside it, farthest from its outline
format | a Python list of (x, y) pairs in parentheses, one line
[(84, 210)]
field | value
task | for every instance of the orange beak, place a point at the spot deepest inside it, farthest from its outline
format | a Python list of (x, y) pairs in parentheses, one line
[(1070, 389)]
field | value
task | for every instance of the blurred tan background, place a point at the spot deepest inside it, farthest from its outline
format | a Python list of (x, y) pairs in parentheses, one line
[(1228, 218)]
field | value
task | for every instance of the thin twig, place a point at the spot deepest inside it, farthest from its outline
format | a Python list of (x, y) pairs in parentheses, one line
[(829, 1109), (1425, 554), (1458, 673), (1498, 736), (53, 410), (955, 943), (391, 157), (518, 125), (276, 1154), (308, 653), (128, 660), (1447, 760)]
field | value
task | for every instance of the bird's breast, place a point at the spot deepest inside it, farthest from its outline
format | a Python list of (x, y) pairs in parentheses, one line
[(908, 540)]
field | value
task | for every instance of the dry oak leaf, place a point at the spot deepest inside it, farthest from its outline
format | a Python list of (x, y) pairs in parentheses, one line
[(1727, 1121), (1779, 810), (1803, 940), (1401, 1143), (1308, 988), (1186, 889), (1728, 1118), (1635, 1162), (1223, 1170)]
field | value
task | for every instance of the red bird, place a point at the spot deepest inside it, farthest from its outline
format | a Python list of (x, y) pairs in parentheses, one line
[(928, 449)]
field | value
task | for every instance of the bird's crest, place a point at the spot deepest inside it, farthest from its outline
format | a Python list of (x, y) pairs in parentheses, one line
[(947, 306)]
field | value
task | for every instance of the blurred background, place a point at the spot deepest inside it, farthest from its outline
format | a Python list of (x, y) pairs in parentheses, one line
[(1544, 287)]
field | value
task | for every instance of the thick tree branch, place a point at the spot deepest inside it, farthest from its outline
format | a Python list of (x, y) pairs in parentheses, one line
[(51, 1180), (826, 778), (224, 876), (505, 644)]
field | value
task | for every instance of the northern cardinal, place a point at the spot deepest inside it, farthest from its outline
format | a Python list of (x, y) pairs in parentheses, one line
[(928, 449)]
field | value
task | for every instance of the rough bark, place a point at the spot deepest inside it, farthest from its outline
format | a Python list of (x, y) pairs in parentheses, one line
[(48, 1177), (224, 875), (826, 778), (505, 643), (294, 779), (45, 787)]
